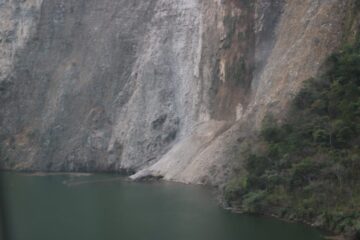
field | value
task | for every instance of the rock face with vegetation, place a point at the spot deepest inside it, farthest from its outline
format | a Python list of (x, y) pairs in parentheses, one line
[(179, 89), (307, 167), (90, 86)]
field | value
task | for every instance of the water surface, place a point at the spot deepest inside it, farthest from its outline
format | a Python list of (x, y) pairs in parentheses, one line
[(107, 207)]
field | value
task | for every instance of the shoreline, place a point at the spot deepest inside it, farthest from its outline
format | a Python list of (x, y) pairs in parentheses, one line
[(326, 233)]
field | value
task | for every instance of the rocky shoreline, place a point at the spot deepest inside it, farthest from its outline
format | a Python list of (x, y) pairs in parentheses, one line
[(329, 233)]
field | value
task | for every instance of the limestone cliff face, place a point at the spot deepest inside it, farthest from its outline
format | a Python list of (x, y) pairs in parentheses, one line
[(162, 87)]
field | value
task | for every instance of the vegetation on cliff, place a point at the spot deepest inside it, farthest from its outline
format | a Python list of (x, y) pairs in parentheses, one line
[(309, 165)]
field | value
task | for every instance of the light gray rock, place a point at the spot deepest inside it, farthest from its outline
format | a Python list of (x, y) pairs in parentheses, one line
[(168, 88)]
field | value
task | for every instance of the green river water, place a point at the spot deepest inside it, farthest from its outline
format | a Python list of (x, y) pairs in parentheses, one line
[(108, 207)]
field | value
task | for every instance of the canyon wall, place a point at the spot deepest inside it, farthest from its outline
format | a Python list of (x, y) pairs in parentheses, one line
[(164, 88)]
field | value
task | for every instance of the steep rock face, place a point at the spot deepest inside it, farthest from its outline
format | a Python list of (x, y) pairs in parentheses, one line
[(18, 22), (101, 85), (306, 34), (290, 41), (163, 87)]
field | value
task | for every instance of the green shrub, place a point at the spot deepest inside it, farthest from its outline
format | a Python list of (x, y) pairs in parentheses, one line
[(311, 164), (235, 188), (255, 201)]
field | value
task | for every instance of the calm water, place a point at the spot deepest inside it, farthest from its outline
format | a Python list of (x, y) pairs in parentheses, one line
[(106, 207)]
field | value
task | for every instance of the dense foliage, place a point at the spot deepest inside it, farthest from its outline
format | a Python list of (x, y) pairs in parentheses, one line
[(310, 168)]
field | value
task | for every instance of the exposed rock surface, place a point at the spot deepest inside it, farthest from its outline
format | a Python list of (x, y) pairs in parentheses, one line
[(164, 87)]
